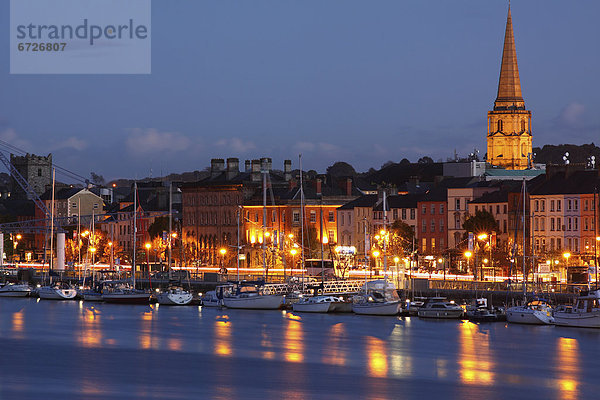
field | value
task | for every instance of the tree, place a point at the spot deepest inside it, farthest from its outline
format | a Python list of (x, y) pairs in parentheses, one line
[(425, 160), (401, 241), (97, 179), (160, 225), (340, 169), (387, 164), (405, 161), (481, 222)]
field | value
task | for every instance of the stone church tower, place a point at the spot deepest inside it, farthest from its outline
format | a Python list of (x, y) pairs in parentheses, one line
[(509, 123)]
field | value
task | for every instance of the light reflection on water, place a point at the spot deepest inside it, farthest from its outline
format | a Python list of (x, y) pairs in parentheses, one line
[(568, 368), (230, 353), (475, 359)]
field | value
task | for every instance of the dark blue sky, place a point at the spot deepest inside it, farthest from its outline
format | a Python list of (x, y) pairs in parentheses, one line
[(354, 80)]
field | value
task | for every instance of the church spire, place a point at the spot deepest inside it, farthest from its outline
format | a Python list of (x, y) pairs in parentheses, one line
[(509, 86)]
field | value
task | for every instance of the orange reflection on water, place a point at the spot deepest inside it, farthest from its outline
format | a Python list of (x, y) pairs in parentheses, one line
[(223, 338), (174, 344), (91, 334), (17, 322), (377, 356), (146, 339), (294, 341), (475, 358), (568, 368), (333, 353)]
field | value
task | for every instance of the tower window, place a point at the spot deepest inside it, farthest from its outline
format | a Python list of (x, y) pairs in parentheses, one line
[(523, 126), (39, 172), (499, 125)]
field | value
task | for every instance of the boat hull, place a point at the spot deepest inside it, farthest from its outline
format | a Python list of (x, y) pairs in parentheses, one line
[(46, 293), (577, 320), (170, 299), (92, 296), (270, 302), (388, 308), (135, 298), (517, 315), (312, 307), (15, 291), (440, 314)]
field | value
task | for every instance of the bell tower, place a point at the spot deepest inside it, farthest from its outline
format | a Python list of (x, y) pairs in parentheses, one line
[(509, 123)]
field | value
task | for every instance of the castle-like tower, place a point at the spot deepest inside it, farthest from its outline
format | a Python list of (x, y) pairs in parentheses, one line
[(37, 171), (509, 123)]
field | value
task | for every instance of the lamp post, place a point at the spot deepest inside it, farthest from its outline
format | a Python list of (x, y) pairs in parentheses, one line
[(468, 255), (148, 246), (223, 251), (293, 252), (112, 258), (441, 261), (566, 255), (376, 254)]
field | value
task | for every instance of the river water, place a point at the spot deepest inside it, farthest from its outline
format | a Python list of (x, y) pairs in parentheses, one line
[(77, 350)]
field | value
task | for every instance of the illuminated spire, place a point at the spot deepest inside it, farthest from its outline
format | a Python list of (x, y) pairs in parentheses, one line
[(509, 86)]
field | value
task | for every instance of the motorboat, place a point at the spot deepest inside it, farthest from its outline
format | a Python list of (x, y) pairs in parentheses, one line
[(124, 294), (174, 296), (250, 296), (536, 312), (378, 297), (15, 290), (57, 291), (440, 308), (413, 306), (210, 299), (480, 312), (317, 304), (584, 314)]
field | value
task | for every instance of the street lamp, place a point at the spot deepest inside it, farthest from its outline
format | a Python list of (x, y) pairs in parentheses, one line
[(468, 255), (376, 254), (293, 252), (223, 251)]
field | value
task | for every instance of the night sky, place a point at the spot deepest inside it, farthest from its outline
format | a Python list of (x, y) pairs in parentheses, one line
[(353, 80)]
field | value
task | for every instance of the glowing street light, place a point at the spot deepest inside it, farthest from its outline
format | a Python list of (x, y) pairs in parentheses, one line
[(223, 251), (293, 252)]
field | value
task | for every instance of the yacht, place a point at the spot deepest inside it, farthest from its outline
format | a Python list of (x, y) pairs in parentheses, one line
[(584, 314), (536, 312), (480, 312), (441, 308), (174, 296), (57, 291), (250, 296), (124, 294), (210, 299), (15, 290), (378, 297), (317, 304)]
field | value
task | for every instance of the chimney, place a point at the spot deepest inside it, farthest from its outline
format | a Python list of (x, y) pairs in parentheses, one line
[(247, 166), (287, 170), (255, 171), (348, 186), (217, 166), (319, 193), (233, 168), (266, 164)]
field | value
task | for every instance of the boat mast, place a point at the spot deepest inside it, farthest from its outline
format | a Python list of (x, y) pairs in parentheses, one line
[(52, 227), (321, 230), (524, 223), (238, 243), (384, 236), (301, 221), (134, 231), (366, 250), (264, 226), (170, 224)]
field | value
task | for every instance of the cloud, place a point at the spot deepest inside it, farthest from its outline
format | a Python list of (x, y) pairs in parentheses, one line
[(318, 147), (572, 114), (148, 141), (11, 137), (236, 145), (70, 143)]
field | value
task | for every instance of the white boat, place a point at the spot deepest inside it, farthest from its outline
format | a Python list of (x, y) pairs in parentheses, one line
[(440, 308), (56, 292), (174, 296), (378, 297), (210, 299), (15, 290), (536, 312), (251, 297), (317, 304), (585, 313)]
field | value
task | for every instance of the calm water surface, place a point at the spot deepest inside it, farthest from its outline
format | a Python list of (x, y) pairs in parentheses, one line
[(76, 350)]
